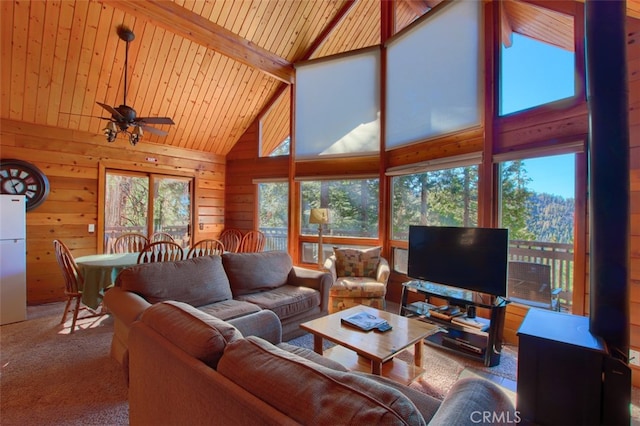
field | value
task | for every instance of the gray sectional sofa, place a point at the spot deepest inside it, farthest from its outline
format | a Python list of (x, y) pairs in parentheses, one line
[(228, 287), (187, 367)]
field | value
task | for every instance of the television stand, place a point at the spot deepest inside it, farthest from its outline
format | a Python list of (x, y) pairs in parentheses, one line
[(477, 338)]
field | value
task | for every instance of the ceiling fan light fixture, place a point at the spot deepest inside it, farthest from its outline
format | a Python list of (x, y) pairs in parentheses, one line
[(111, 131), (135, 135)]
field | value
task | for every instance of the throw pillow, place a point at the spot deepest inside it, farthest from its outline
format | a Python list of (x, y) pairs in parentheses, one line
[(357, 262)]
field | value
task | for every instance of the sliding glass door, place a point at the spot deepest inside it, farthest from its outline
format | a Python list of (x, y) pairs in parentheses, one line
[(146, 203)]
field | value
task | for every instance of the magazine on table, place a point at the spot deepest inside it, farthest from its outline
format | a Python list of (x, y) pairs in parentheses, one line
[(364, 321)]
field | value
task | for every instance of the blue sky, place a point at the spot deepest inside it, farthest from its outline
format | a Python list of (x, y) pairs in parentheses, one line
[(534, 73)]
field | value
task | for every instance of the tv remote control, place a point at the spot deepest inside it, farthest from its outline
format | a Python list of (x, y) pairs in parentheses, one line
[(384, 327)]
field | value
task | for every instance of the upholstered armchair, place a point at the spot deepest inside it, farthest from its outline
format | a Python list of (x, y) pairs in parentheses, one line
[(359, 278)]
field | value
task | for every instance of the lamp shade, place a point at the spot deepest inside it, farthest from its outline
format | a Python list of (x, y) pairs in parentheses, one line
[(319, 216)]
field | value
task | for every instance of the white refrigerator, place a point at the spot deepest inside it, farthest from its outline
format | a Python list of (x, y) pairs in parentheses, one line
[(13, 259)]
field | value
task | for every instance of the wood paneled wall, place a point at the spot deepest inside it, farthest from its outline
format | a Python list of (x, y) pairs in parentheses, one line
[(71, 160), (244, 166), (633, 73)]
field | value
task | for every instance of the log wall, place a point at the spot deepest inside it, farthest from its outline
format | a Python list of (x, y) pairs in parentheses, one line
[(72, 160)]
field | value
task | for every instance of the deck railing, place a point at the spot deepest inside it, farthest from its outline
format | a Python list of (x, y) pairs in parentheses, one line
[(558, 256), (276, 238)]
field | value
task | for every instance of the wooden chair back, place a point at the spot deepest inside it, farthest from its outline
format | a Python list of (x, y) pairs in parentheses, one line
[(161, 251), (231, 239), (73, 283), (206, 247), (161, 236), (130, 243), (73, 279), (252, 242)]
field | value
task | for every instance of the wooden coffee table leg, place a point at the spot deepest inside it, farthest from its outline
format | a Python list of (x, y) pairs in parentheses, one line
[(317, 344), (376, 368), (417, 354)]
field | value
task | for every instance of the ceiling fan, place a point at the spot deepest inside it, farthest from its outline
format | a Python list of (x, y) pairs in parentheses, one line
[(124, 116)]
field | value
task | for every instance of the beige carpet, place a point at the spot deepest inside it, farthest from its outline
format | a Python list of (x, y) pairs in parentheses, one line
[(51, 377)]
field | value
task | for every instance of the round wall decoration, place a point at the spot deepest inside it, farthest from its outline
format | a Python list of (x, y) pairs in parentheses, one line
[(22, 178)]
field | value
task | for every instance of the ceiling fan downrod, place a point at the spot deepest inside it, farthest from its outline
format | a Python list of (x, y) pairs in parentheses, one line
[(127, 36)]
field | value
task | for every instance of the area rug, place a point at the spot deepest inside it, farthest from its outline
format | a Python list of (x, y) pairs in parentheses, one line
[(443, 368)]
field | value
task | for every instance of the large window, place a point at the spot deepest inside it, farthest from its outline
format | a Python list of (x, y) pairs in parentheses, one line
[(338, 105), (128, 196), (433, 86), (447, 197), (537, 205), (537, 62), (353, 206), (273, 213)]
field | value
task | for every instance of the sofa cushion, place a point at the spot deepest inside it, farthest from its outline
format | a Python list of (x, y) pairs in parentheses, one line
[(311, 393), (286, 301), (312, 356), (253, 272), (352, 262), (197, 281), (358, 287), (200, 335), (230, 309)]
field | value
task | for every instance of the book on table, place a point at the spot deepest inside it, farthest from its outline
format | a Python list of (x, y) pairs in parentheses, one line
[(364, 321), (445, 312), (478, 323)]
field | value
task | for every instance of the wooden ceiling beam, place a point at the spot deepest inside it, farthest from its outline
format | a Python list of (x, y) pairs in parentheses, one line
[(506, 31), (185, 23), (317, 43)]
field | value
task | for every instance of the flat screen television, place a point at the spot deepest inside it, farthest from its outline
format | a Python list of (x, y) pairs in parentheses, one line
[(470, 258)]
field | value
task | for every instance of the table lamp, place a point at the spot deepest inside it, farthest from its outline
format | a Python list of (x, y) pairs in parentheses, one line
[(319, 216)]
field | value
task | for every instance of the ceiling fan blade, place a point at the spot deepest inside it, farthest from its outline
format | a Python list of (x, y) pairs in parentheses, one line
[(153, 130), (112, 110), (84, 115), (155, 120)]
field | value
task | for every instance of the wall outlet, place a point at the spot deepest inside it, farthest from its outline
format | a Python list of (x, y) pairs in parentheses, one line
[(634, 357), (92, 227)]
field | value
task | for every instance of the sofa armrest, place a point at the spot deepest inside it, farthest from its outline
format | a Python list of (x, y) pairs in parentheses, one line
[(125, 305), (382, 274), (264, 324), (330, 266), (469, 400), (318, 280)]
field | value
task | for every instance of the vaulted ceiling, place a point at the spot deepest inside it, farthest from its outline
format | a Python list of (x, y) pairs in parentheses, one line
[(211, 65)]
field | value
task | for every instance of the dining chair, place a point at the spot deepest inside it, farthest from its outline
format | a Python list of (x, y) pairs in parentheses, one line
[(74, 283), (206, 247), (161, 251), (161, 236), (130, 243), (252, 242), (231, 238)]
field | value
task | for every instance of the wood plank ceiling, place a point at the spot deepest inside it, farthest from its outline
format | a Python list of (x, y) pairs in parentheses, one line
[(212, 66)]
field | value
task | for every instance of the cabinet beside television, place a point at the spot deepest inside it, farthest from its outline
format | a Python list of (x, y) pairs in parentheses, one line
[(481, 344)]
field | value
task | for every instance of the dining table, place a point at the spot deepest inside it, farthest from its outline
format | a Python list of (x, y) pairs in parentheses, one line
[(100, 272)]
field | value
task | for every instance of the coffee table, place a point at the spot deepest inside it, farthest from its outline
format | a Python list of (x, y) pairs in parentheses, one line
[(372, 351)]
